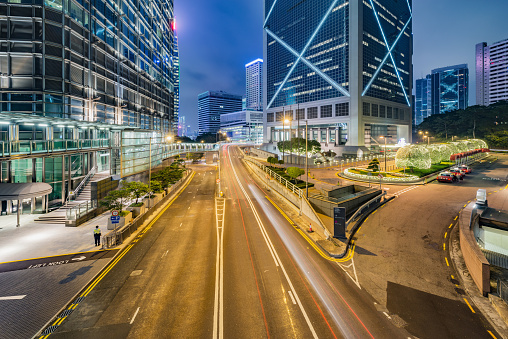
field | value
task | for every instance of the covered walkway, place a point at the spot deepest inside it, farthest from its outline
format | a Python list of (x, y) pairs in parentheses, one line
[(14, 194)]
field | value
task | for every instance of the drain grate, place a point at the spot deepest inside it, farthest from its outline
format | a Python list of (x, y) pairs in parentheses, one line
[(65, 313), (49, 330)]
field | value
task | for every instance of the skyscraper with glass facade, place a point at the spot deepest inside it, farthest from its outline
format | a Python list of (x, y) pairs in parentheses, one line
[(344, 66), (491, 72), (211, 105), (450, 87), (423, 99), (254, 85), (176, 82), (84, 84)]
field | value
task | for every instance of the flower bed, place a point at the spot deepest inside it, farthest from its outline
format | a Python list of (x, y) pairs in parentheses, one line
[(407, 178)]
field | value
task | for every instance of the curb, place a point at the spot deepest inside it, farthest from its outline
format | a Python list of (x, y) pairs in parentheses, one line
[(120, 251)]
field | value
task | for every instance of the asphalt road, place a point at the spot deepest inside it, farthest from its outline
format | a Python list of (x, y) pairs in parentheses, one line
[(403, 259), (245, 273)]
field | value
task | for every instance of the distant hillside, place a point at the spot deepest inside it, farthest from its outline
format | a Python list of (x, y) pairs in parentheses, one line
[(487, 123)]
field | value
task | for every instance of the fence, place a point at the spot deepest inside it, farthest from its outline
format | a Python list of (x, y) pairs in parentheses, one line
[(117, 237), (502, 289), (80, 210), (496, 259)]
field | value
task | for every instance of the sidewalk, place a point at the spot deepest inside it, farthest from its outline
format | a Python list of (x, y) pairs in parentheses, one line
[(36, 240)]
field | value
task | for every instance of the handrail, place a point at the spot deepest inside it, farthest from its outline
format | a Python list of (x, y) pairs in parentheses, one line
[(363, 207), (77, 211), (48, 146), (81, 185)]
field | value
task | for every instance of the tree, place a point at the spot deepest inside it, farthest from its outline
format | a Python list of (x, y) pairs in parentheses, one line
[(294, 172), (273, 160), (297, 146), (136, 189), (168, 176), (115, 199), (195, 157), (374, 165), (155, 187), (281, 162)]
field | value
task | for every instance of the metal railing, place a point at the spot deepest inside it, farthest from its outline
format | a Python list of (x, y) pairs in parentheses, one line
[(363, 208), (290, 186), (502, 289), (76, 212), (117, 237), (496, 259), (72, 195), (49, 146)]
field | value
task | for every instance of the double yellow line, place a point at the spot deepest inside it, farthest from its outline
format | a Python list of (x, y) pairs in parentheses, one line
[(348, 256), (59, 321)]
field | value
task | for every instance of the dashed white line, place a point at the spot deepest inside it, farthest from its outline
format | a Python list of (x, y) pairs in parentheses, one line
[(292, 298), (387, 315), (134, 317)]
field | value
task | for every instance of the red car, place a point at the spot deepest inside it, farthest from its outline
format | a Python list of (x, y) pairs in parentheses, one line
[(466, 169), (447, 177), (458, 173)]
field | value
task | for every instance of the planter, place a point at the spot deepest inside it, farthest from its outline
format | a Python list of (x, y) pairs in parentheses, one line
[(122, 222), (137, 211)]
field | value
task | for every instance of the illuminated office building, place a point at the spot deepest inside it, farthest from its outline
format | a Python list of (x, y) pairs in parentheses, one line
[(84, 85), (211, 105), (450, 88), (491, 72), (254, 85), (344, 66)]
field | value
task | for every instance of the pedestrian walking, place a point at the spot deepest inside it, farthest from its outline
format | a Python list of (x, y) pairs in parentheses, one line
[(97, 235)]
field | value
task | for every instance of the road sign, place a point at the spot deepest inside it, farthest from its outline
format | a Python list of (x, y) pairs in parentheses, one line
[(114, 213), (115, 219), (218, 180), (380, 176), (339, 222)]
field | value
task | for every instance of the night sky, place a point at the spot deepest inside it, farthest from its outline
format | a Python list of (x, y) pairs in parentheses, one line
[(218, 37)]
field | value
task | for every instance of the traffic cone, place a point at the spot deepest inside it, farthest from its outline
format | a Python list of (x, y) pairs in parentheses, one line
[(310, 228)]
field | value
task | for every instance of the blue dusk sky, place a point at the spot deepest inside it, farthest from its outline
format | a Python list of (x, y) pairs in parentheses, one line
[(218, 37)]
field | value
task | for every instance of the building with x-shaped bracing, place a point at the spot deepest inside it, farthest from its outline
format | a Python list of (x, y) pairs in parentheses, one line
[(344, 66)]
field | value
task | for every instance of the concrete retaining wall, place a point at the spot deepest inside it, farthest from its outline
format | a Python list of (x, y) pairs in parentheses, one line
[(262, 154), (476, 263), (325, 206)]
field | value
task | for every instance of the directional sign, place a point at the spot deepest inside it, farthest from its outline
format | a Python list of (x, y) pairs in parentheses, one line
[(114, 213), (339, 222), (115, 219)]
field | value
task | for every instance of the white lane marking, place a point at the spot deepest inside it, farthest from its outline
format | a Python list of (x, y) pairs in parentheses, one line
[(273, 250), (292, 298), (387, 315), (355, 279), (181, 224), (218, 308), (13, 297), (134, 317), (188, 208), (405, 190), (165, 253)]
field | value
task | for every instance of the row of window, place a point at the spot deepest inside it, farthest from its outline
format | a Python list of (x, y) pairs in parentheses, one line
[(382, 111), (341, 110)]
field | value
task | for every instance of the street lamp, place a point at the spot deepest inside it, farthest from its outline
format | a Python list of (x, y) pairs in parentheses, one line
[(284, 122), (383, 137)]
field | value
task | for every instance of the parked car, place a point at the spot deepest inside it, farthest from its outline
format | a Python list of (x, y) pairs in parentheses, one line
[(447, 177), (466, 169), (458, 172)]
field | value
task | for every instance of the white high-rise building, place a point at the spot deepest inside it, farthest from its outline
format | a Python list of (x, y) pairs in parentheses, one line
[(254, 85), (491, 75)]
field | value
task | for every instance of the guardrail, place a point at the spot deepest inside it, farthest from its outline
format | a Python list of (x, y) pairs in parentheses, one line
[(290, 186), (363, 208), (117, 237), (80, 210)]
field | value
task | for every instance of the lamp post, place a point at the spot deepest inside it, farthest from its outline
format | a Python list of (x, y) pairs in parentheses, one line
[(306, 160), (284, 122), (385, 137)]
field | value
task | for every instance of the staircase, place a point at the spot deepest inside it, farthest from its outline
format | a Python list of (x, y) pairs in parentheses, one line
[(59, 216)]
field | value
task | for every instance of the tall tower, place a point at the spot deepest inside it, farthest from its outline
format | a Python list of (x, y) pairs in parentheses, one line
[(176, 82), (491, 75), (450, 88), (211, 105), (345, 66), (254, 85), (423, 99)]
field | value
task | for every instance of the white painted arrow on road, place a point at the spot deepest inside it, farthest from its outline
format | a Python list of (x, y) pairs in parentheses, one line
[(14, 297), (80, 258)]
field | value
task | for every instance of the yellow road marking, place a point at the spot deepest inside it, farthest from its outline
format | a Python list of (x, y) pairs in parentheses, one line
[(456, 217), (348, 256), (103, 274), (445, 235), (451, 225), (468, 304), (374, 212), (444, 247), (492, 334), (469, 201), (366, 219), (506, 188), (61, 320), (447, 264), (465, 205), (452, 277)]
